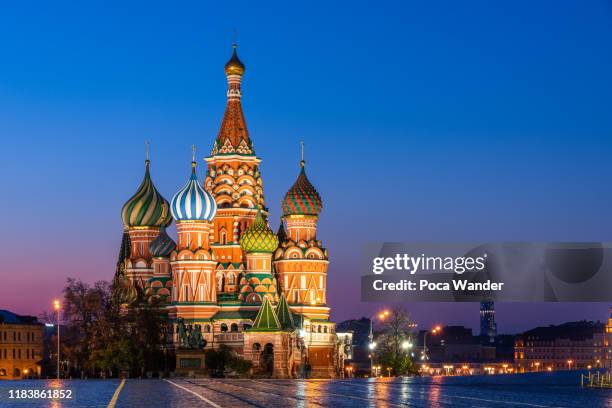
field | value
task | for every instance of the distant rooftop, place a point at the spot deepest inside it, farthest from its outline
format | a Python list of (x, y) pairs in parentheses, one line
[(8, 317), (581, 330)]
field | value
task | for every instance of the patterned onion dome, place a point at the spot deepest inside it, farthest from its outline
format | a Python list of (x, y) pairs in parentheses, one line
[(146, 208), (162, 246), (302, 198), (234, 66), (193, 202), (259, 237)]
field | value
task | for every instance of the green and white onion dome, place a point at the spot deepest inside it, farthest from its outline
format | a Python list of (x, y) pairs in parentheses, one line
[(162, 246), (147, 207), (259, 237)]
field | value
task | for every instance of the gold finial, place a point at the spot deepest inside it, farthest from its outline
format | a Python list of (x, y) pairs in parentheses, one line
[(147, 162), (193, 155), (302, 162), (234, 66)]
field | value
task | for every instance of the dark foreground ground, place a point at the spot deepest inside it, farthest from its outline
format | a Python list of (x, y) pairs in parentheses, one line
[(533, 390)]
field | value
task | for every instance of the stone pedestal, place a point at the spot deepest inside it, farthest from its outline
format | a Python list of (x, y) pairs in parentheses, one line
[(190, 363)]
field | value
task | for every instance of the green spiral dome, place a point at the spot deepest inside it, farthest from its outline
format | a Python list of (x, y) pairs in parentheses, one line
[(259, 237), (147, 207)]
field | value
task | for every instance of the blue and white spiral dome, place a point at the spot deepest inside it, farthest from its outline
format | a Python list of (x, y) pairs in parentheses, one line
[(193, 202)]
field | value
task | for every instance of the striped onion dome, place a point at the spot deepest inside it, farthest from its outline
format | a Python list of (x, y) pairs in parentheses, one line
[(147, 207), (302, 198), (259, 237), (162, 246), (193, 202)]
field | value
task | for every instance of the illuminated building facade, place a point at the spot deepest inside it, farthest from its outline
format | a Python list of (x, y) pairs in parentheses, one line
[(569, 346), (21, 346), (229, 277)]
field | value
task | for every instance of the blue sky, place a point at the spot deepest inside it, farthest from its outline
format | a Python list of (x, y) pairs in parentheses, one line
[(427, 121)]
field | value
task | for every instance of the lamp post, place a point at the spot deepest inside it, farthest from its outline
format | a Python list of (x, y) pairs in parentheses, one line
[(569, 364), (435, 330), (372, 344), (57, 307)]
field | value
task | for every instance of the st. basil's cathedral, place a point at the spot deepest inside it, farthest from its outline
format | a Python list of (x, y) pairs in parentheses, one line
[(229, 279)]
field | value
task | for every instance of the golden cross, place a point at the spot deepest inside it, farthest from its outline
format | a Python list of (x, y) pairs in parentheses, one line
[(193, 154), (302, 162)]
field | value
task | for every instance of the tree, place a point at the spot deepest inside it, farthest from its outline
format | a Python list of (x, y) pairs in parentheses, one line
[(394, 335), (225, 359), (99, 335)]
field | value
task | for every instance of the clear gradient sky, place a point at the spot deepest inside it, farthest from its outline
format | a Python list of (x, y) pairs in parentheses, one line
[(439, 120)]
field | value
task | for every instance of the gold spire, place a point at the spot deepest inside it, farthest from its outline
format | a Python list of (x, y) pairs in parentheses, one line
[(234, 66), (147, 153), (193, 156), (302, 162)]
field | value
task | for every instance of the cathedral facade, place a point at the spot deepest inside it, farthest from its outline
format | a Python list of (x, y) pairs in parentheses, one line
[(229, 279)]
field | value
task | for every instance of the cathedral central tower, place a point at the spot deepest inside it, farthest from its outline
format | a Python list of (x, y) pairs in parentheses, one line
[(235, 182)]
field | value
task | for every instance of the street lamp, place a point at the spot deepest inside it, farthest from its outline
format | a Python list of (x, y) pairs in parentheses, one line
[(434, 331), (406, 345), (569, 364), (372, 345), (537, 365), (57, 306)]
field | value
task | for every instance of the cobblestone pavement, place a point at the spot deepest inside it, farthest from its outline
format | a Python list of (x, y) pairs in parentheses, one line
[(540, 390)]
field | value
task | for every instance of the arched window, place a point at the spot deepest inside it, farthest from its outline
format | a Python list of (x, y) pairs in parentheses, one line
[(246, 326), (256, 347), (207, 328), (219, 281), (223, 327), (234, 327), (2, 372), (231, 278), (223, 238)]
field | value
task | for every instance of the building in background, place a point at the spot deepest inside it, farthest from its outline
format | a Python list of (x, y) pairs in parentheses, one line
[(360, 353), (569, 346), (454, 344), (229, 279), (21, 346), (488, 327)]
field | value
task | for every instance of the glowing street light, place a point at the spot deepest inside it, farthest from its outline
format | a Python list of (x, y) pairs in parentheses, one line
[(435, 330), (569, 364), (406, 345), (382, 316), (57, 306)]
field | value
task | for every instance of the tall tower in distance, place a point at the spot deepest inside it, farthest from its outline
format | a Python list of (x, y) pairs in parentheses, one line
[(488, 328)]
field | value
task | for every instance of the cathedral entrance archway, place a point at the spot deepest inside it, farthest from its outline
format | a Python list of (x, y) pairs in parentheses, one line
[(267, 359)]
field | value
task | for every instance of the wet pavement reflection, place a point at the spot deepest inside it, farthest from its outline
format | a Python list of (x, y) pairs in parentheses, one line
[(537, 390)]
